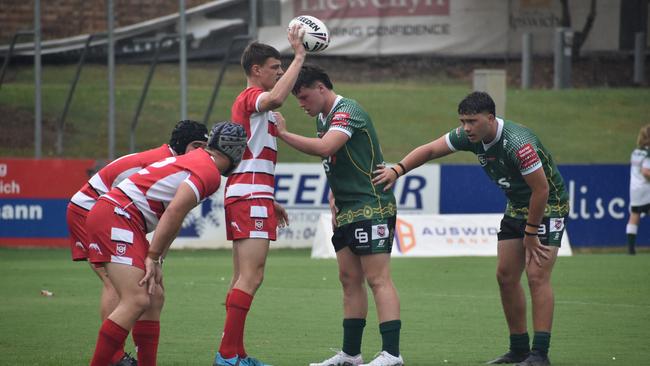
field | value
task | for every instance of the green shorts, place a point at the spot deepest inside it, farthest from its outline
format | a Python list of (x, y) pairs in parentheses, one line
[(366, 237), (550, 231)]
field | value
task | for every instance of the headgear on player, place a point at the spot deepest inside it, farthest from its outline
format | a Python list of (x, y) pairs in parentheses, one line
[(229, 139), (185, 132)]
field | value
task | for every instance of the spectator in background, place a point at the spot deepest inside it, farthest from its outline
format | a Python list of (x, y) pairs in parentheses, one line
[(252, 214), (533, 225), (186, 136), (158, 198), (639, 186)]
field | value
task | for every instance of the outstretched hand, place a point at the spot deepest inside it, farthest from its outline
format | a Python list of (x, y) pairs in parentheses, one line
[(295, 35), (384, 175)]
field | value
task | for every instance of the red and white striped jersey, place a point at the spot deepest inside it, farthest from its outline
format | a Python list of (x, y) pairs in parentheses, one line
[(114, 173), (146, 194), (254, 177)]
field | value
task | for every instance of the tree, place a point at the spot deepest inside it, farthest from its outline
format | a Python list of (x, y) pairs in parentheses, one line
[(579, 37)]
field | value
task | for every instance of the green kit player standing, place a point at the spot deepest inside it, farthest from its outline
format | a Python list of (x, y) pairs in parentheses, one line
[(363, 214), (532, 227)]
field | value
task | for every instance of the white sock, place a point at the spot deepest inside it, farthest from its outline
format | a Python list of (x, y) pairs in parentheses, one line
[(631, 229)]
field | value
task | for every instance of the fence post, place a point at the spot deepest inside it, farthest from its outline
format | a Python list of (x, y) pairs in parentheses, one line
[(526, 60), (639, 58)]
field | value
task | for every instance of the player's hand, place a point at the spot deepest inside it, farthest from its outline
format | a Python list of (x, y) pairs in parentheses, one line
[(152, 275), (535, 251), (384, 175), (280, 123), (334, 210), (281, 214), (295, 35)]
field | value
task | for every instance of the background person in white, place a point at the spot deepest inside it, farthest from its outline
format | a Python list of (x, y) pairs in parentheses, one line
[(639, 185)]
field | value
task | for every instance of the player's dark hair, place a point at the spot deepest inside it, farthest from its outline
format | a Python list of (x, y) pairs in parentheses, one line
[(643, 140), (185, 132), (256, 54), (477, 102), (309, 74)]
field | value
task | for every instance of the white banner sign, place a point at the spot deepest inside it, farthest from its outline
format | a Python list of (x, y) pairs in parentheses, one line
[(444, 27), (302, 189), (433, 236)]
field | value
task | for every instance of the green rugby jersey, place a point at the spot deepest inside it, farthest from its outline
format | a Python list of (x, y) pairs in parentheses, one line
[(349, 170), (515, 152)]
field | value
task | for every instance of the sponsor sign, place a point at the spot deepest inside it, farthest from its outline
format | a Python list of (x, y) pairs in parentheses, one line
[(433, 236), (302, 189), (599, 207), (443, 27), (34, 195)]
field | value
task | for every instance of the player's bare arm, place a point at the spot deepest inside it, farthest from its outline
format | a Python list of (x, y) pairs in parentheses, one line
[(326, 146), (538, 198), (168, 227), (275, 97), (420, 155)]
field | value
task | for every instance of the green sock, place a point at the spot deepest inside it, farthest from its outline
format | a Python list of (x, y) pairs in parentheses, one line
[(352, 333), (390, 336), (541, 342), (519, 343)]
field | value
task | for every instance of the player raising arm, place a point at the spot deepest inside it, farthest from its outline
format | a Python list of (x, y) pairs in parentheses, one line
[(532, 227)]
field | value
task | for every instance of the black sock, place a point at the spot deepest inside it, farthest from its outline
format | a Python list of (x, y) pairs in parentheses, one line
[(520, 343), (541, 342), (390, 336), (631, 239), (352, 333)]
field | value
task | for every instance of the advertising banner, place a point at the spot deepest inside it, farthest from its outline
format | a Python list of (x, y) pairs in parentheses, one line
[(433, 236), (599, 196), (444, 27), (301, 188), (33, 199)]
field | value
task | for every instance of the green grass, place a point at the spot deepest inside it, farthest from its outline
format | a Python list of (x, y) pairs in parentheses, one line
[(450, 309), (578, 126)]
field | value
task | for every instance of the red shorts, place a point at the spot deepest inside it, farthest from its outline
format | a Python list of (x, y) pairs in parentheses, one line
[(76, 218), (254, 218), (115, 236)]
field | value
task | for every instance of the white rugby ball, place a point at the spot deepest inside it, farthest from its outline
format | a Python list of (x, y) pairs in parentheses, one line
[(317, 36)]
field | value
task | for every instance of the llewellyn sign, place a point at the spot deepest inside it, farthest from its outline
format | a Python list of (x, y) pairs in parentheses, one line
[(331, 9)]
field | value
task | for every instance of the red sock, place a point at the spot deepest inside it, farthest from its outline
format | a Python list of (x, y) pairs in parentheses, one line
[(118, 355), (110, 340), (232, 343), (227, 297), (145, 336)]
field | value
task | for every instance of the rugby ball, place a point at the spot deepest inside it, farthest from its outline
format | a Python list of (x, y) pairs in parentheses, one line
[(317, 36)]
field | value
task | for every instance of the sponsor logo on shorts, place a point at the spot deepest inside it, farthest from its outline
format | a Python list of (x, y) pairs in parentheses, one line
[(259, 225), (95, 247), (78, 244), (234, 224), (382, 243), (556, 224), (121, 249)]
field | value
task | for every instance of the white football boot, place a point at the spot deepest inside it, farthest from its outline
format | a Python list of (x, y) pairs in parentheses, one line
[(386, 359), (340, 359)]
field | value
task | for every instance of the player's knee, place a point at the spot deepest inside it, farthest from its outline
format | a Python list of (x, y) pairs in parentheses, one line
[(506, 278), (139, 302), (379, 282), (350, 278), (537, 280)]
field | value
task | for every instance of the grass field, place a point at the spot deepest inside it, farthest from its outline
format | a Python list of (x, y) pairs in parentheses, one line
[(450, 310), (573, 124)]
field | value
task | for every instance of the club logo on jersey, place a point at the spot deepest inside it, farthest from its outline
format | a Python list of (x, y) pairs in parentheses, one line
[(340, 119), (481, 159), (121, 249), (379, 231), (556, 224), (259, 225), (527, 157)]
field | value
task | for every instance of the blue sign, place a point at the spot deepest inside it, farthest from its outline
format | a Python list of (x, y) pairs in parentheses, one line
[(599, 196)]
